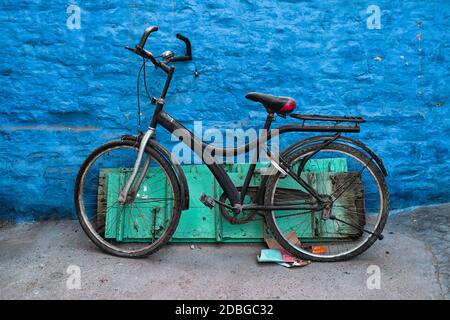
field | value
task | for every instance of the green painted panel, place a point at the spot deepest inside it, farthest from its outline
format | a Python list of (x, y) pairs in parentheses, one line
[(147, 216), (200, 224)]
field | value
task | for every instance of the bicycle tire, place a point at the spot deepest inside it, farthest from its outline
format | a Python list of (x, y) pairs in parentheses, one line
[(94, 237), (278, 235)]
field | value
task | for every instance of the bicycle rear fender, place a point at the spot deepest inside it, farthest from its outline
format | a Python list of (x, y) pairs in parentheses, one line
[(347, 140), (182, 181)]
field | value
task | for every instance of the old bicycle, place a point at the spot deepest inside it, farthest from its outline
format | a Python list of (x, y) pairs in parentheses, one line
[(328, 190)]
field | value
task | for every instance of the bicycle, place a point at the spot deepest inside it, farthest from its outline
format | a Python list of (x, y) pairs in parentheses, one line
[(328, 190)]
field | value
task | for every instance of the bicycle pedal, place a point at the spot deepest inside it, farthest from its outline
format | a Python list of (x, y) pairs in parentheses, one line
[(207, 201)]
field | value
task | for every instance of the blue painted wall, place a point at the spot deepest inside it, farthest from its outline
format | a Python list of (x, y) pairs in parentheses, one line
[(63, 91)]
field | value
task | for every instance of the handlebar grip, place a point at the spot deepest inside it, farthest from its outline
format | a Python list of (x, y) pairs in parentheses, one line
[(147, 32), (187, 42)]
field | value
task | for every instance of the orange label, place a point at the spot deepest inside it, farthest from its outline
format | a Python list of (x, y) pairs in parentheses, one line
[(319, 249)]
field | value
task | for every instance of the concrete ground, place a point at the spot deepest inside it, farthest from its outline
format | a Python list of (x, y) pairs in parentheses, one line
[(35, 257)]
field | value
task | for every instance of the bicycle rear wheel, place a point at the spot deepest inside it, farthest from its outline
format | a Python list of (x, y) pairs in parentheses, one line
[(359, 196), (139, 227)]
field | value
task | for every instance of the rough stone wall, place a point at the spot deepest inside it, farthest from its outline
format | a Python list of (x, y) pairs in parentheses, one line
[(65, 90)]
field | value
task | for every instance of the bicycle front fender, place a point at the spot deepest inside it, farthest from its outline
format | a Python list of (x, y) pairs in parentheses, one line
[(181, 177), (350, 141)]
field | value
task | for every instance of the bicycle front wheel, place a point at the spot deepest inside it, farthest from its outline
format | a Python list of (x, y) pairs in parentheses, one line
[(359, 200), (138, 227)]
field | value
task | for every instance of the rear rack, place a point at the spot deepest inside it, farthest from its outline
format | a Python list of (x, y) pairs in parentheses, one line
[(351, 126), (315, 117)]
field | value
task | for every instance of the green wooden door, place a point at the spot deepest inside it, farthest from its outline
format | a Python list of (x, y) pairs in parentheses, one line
[(142, 221)]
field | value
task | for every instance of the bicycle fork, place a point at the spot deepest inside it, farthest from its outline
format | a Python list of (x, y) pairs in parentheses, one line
[(125, 195)]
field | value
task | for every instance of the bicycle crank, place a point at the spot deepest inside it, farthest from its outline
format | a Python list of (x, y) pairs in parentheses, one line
[(231, 214)]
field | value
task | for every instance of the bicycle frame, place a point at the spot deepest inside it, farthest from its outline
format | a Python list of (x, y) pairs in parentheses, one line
[(199, 147)]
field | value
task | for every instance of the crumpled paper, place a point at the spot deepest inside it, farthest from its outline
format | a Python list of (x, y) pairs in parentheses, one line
[(277, 254)]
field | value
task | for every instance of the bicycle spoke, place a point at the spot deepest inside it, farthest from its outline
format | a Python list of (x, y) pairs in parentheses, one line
[(352, 180)]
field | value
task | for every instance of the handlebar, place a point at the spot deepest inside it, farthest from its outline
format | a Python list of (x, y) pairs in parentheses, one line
[(188, 55), (139, 50), (144, 37)]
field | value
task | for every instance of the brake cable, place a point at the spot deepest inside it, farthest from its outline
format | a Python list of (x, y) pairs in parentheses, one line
[(138, 88), (145, 79), (138, 98)]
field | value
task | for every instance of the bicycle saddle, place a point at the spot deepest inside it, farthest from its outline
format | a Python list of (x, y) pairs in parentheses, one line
[(280, 105)]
